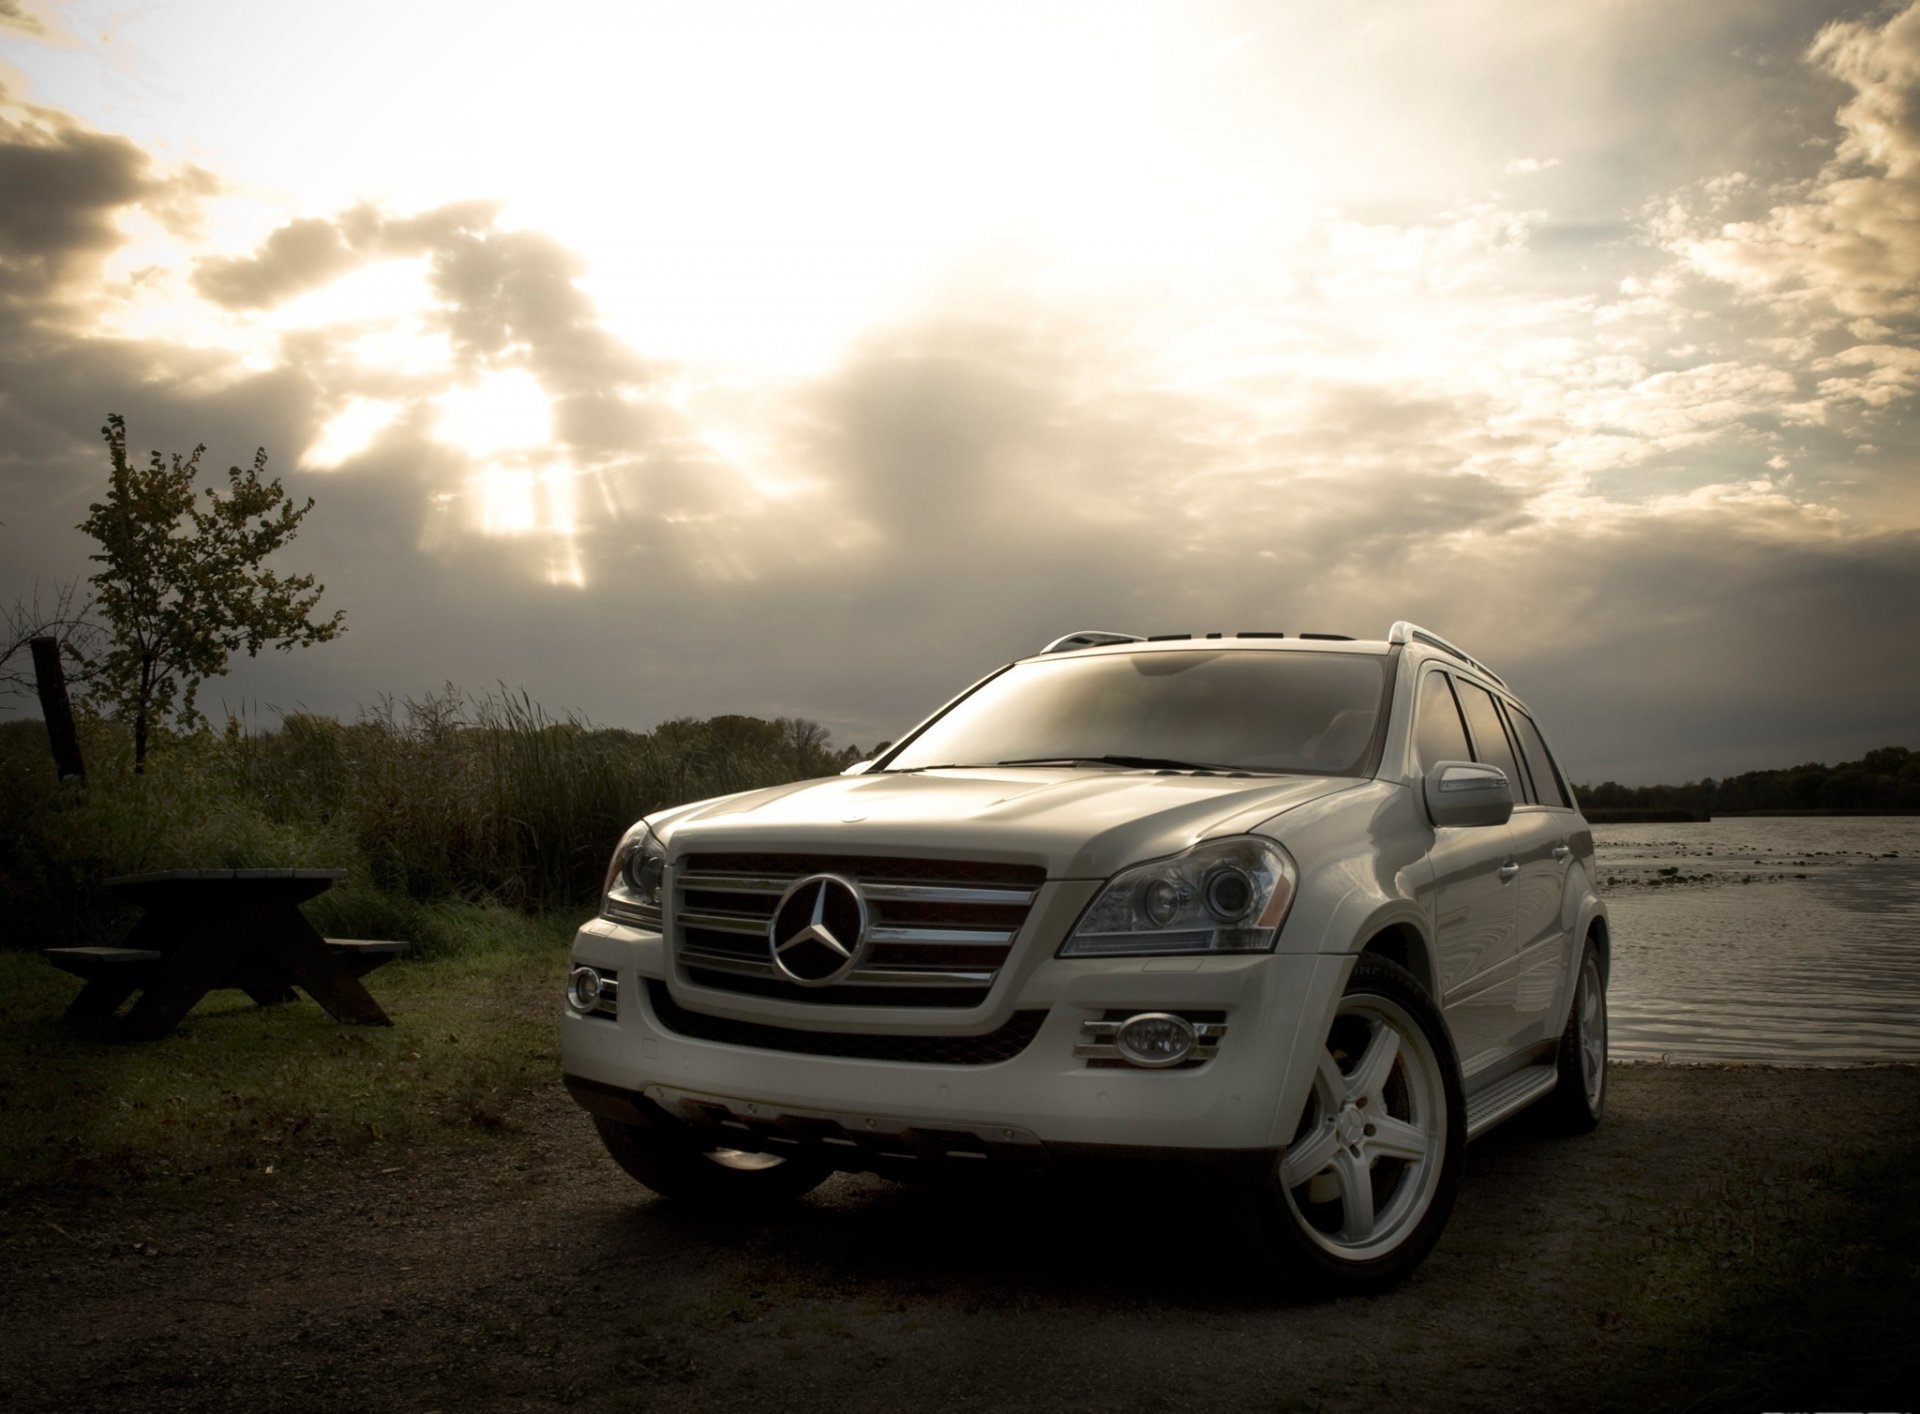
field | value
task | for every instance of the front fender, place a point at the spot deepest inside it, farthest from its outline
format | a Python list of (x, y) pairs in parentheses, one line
[(1361, 916)]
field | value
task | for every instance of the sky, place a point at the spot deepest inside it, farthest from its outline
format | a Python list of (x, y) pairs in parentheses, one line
[(812, 359)]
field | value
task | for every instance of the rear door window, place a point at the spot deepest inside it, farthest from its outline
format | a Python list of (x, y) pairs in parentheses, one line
[(1490, 738), (1546, 771)]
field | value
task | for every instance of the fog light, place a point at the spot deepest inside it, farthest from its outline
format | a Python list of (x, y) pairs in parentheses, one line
[(1154, 1039), (583, 989)]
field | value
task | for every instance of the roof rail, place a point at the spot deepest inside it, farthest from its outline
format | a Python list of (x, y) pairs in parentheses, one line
[(1089, 638), (1404, 632)]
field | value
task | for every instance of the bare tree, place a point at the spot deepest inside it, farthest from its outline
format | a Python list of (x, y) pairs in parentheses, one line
[(806, 745), (68, 620)]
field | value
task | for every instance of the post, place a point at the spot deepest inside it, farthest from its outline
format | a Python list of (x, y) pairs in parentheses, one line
[(51, 678)]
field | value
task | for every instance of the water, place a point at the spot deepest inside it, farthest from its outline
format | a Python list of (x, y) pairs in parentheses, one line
[(1791, 941)]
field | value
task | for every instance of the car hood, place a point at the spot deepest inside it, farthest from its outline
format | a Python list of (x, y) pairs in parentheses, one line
[(1076, 823)]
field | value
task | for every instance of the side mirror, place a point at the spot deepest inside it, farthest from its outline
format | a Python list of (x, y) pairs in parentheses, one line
[(1467, 793)]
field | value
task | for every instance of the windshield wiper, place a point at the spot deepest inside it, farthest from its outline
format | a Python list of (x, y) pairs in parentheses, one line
[(1152, 763)]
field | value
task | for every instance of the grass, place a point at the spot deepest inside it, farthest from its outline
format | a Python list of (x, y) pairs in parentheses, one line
[(476, 828), (240, 1087)]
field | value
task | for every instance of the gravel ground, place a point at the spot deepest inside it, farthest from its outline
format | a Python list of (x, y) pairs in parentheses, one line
[(530, 1274)]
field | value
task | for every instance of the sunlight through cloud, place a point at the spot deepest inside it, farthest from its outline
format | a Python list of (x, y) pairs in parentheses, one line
[(349, 433), (502, 411)]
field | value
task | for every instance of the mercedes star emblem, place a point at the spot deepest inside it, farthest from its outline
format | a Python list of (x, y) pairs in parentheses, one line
[(818, 934)]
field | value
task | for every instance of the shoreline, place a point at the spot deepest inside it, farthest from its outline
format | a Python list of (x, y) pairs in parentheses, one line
[(1615, 1062), (1629, 815)]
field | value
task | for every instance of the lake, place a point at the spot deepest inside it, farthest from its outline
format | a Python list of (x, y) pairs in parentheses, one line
[(1786, 940)]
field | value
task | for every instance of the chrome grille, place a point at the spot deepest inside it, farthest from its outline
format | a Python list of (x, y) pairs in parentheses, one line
[(940, 931)]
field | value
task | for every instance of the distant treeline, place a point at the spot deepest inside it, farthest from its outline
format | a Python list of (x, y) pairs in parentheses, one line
[(1883, 780)]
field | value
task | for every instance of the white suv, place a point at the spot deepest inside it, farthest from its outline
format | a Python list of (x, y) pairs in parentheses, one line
[(1313, 910)]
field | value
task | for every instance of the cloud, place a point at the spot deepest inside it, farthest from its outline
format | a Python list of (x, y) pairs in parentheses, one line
[(1891, 373), (15, 15), (1883, 66), (1707, 640), (500, 295), (64, 187), (1559, 438), (1848, 240), (298, 257)]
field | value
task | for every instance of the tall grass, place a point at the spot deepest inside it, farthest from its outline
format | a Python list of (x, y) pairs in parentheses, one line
[(445, 796)]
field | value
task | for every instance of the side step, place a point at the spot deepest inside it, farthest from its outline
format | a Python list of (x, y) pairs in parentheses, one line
[(1505, 1098)]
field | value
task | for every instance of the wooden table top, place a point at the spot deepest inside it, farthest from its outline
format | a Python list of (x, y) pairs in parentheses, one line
[(171, 875)]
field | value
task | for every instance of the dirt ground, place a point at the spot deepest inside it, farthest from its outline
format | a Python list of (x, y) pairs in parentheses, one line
[(533, 1275)]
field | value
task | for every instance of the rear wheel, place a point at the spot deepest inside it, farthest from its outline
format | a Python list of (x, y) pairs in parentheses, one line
[(1580, 1098), (679, 1164), (1361, 1194)]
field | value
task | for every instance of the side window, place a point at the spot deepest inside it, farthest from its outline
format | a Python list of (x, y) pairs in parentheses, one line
[(1546, 771), (1490, 738), (1527, 766), (1437, 733)]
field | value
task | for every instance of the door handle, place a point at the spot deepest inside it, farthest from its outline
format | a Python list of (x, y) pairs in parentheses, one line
[(1560, 851), (1507, 872)]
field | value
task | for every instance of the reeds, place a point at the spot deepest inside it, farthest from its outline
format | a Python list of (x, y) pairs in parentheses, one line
[(446, 796)]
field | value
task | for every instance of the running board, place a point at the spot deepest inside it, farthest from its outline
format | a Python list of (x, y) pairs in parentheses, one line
[(1505, 1098)]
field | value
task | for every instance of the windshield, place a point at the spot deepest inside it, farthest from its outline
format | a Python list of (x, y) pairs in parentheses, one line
[(1210, 708)]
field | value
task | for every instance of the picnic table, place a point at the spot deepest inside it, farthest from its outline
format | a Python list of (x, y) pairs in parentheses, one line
[(203, 929)]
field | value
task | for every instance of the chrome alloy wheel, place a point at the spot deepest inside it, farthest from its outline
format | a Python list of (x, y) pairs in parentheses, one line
[(1590, 1016), (1367, 1161)]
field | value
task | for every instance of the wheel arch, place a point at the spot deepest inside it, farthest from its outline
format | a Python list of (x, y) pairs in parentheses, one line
[(1600, 931), (1400, 942), (1594, 925)]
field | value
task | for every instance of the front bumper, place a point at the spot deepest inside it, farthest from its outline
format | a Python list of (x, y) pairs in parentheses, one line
[(1039, 1101)]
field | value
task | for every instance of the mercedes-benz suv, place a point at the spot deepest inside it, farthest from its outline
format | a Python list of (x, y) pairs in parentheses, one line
[(1312, 910)]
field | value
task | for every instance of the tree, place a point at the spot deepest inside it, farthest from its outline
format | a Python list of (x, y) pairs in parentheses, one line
[(808, 746), (182, 587)]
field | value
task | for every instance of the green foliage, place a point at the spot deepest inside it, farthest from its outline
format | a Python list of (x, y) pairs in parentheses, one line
[(182, 587), (1884, 780), (423, 801)]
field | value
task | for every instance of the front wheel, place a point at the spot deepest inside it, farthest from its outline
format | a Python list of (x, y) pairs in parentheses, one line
[(678, 1164), (1361, 1194)]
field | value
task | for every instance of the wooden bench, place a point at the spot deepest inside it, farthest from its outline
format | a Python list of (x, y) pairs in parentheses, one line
[(111, 974), (114, 974), (362, 955), (90, 963)]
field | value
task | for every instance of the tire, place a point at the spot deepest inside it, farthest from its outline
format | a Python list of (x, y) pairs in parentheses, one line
[(1580, 1098), (1357, 1201), (676, 1164)]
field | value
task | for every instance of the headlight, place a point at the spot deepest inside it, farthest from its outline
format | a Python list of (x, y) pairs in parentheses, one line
[(636, 881), (1221, 896)]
